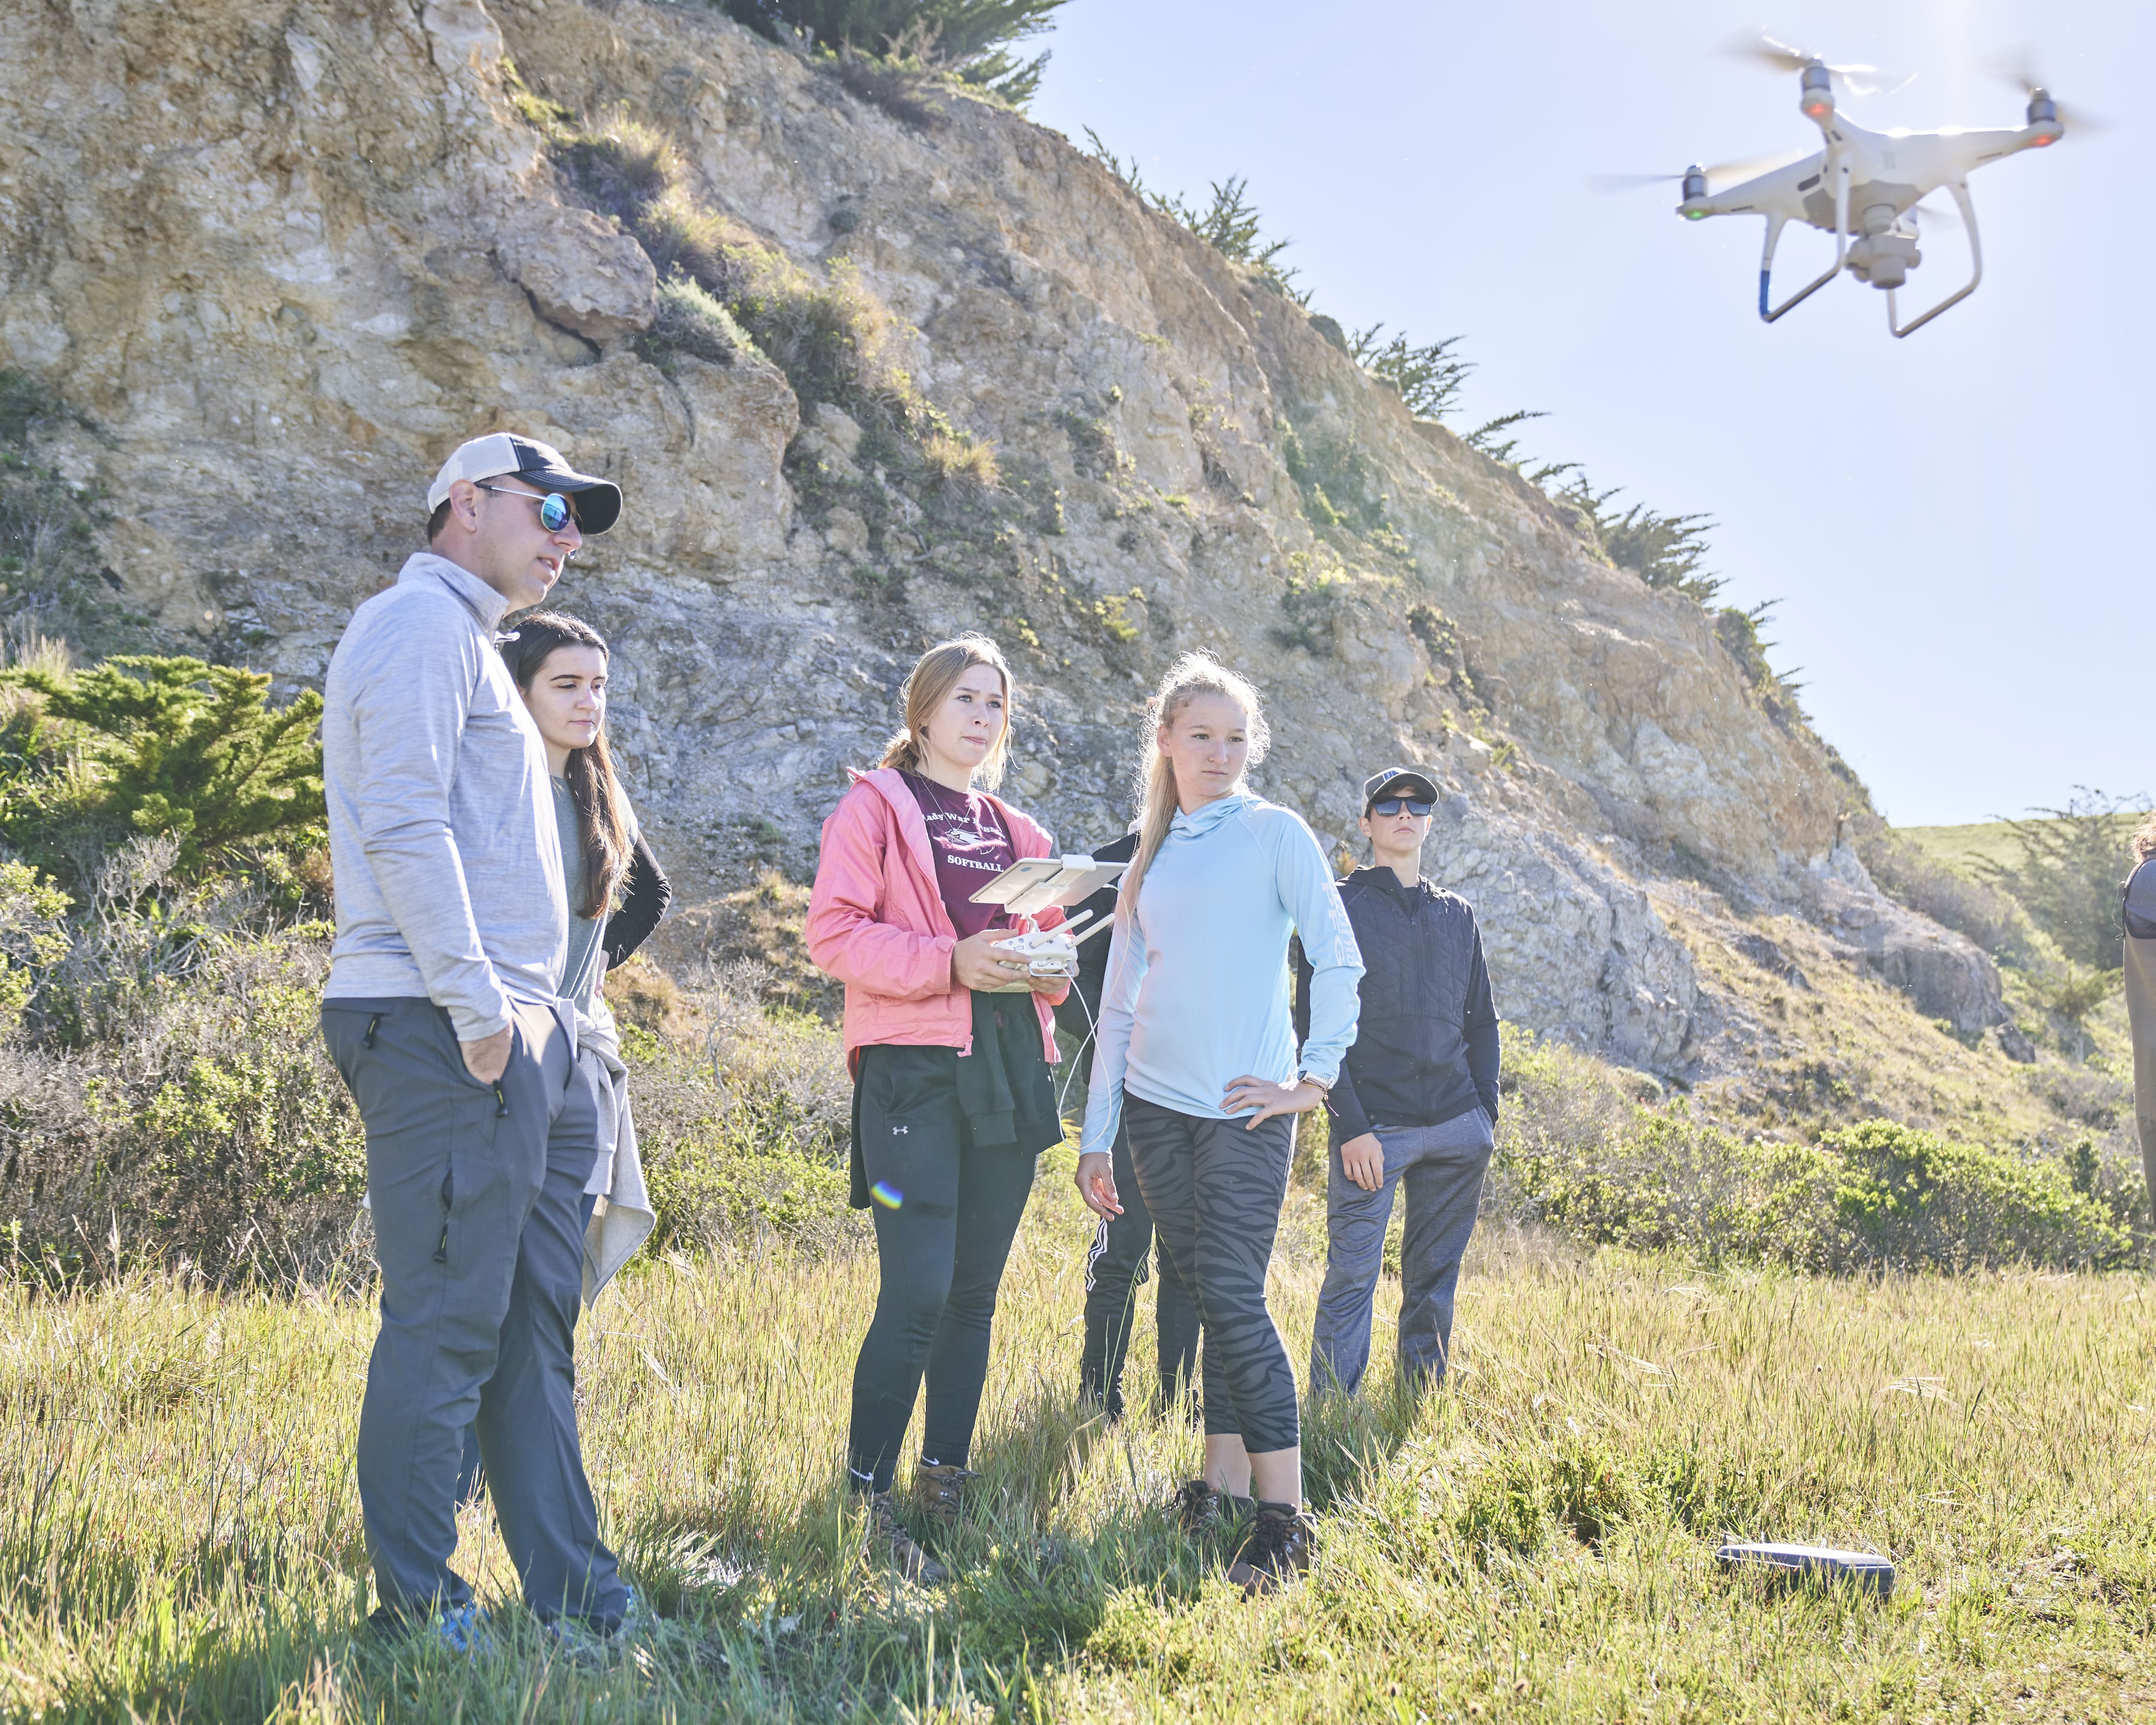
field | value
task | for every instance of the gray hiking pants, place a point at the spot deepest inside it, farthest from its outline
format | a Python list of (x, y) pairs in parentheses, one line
[(477, 1191), (1442, 1168), (2140, 959)]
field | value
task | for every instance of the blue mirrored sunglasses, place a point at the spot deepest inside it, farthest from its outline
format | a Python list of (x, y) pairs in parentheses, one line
[(554, 511), (1393, 805)]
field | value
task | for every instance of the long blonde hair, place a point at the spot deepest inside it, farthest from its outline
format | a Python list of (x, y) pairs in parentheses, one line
[(931, 683), (2144, 839), (1190, 676)]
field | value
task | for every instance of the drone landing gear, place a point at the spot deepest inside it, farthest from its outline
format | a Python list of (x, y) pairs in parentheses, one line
[(1840, 169), (1960, 190)]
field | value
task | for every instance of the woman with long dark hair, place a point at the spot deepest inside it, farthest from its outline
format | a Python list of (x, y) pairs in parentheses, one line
[(950, 1042), (1197, 1054), (617, 894)]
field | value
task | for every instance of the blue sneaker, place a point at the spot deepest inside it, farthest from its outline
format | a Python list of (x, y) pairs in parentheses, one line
[(462, 1629)]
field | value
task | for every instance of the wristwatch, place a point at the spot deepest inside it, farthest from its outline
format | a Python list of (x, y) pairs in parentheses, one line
[(1323, 1088)]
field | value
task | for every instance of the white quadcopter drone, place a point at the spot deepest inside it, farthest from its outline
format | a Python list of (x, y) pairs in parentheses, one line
[(1864, 188)]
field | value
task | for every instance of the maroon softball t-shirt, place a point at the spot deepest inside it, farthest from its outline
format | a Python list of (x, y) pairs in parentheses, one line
[(970, 846)]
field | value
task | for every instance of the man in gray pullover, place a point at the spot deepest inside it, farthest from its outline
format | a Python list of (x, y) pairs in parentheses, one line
[(441, 1013)]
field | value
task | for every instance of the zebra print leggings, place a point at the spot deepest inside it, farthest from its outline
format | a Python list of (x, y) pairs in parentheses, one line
[(1215, 1188)]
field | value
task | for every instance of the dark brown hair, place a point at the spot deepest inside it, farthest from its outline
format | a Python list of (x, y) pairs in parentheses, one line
[(601, 826)]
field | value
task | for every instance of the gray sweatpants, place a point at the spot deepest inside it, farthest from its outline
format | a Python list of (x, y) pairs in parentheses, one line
[(1442, 1168), (477, 1192)]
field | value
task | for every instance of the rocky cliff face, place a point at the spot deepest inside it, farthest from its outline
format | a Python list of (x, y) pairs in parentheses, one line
[(280, 258)]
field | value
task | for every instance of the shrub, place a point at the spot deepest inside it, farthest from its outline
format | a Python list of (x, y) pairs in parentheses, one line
[(2067, 877), (1990, 917), (168, 1096), (970, 39), (1429, 378), (744, 1114), (1579, 1153), (723, 290), (955, 460), (144, 744), (691, 321), (33, 935), (1316, 592), (1228, 222), (1911, 1198)]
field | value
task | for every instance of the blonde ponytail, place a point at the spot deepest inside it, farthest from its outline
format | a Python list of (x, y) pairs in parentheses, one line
[(930, 682), (1190, 676)]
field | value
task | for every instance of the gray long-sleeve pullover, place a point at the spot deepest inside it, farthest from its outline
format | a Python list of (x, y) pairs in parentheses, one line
[(448, 868)]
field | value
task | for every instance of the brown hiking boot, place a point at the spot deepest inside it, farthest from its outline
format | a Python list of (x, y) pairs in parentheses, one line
[(939, 1492), (887, 1543), (1278, 1549), (1197, 1508)]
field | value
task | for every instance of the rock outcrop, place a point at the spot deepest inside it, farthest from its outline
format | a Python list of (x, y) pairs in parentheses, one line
[(279, 259)]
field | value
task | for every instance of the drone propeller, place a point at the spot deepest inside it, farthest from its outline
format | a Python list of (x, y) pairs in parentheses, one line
[(1859, 81), (1726, 173), (2017, 66)]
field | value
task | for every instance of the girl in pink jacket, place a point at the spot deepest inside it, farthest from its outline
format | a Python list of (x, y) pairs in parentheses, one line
[(950, 1042)]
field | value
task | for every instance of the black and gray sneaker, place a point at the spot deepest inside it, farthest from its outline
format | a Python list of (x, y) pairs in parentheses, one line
[(886, 1543), (1278, 1549)]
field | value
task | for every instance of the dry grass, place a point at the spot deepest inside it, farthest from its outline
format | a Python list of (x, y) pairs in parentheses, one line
[(180, 1538), (955, 461)]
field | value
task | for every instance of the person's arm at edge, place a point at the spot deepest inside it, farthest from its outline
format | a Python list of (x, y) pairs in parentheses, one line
[(410, 699), (1481, 1024), (843, 934), (1306, 888), (643, 901)]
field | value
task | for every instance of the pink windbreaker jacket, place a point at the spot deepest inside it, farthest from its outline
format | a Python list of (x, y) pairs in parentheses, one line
[(876, 921)]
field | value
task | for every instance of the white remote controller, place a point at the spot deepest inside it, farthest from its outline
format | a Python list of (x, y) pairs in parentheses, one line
[(1051, 951)]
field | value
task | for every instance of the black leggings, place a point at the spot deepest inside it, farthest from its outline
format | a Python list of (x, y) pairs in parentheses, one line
[(1215, 1188), (946, 1212), (1115, 1266)]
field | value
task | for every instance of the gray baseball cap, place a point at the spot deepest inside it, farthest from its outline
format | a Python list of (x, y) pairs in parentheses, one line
[(503, 455), (1411, 782)]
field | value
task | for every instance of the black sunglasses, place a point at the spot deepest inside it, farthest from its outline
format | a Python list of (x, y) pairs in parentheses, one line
[(1394, 805)]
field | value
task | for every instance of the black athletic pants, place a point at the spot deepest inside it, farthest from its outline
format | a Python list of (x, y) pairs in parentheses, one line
[(946, 1212), (1115, 1269), (1215, 1188)]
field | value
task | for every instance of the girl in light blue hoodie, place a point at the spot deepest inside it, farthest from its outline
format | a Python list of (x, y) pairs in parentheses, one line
[(1197, 1051)]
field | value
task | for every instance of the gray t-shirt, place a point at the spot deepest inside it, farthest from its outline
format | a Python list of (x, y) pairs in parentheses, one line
[(586, 965)]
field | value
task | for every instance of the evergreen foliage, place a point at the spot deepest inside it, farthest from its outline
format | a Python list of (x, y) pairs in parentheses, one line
[(970, 40), (1665, 551), (1228, 222), (143, 745), (1429, 377), (2067, 877)]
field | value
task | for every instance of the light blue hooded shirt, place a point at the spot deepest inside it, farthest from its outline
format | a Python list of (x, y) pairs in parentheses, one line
[(1197, 989)]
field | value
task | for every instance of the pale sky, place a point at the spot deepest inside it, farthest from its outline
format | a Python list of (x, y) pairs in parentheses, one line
[(1950, 522)]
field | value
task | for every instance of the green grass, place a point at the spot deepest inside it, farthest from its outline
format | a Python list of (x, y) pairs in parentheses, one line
[(180, 1536), (1964, 848)]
